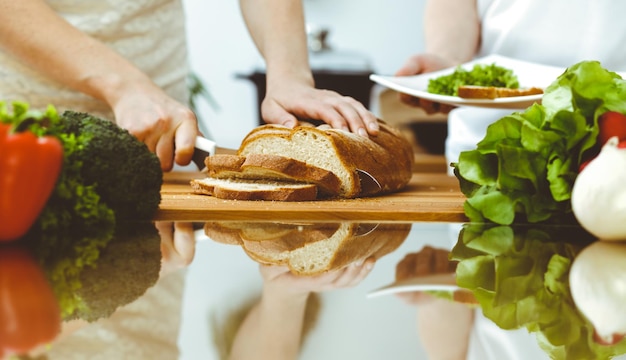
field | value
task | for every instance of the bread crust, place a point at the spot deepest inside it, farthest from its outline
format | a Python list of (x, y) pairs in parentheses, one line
[(341, 244), (246, 190), (272, 167), (493, 92), (388, 157)]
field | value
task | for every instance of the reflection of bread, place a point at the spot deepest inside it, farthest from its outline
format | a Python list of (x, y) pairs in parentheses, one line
[(309, 249), (492, 92), (271, 167)]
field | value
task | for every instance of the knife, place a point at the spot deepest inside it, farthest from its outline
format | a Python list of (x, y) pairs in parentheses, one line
[(205, 147)]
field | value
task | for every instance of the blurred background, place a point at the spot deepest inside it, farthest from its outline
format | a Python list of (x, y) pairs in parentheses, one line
[(361, 37)]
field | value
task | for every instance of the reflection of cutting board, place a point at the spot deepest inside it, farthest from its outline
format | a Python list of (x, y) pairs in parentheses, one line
[(428, 197)]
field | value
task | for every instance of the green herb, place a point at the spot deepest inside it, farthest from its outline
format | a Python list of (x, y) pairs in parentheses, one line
[(479, 75), (524, 168)]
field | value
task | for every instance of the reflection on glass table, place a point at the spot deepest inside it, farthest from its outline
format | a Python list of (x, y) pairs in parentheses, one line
[(218, 290)]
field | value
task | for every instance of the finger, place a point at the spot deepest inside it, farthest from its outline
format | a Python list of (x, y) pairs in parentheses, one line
[(352, 117), (445, 108), (166, 233), (364, 271), (410, 100), (184, 242), (430, 107), (272, 271), (360, 120), (273, 113), (165, 151), (442, 263), (412, 66), (185, 141)]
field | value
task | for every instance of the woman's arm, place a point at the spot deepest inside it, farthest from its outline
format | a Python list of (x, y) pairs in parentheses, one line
[(32, 32), (277, 28)]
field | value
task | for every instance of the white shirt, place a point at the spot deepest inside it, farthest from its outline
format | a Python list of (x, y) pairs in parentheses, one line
[(552, 32)]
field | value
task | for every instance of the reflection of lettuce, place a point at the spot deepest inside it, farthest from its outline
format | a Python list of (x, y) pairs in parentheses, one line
[(91, 277), (525, 166), (520, 278)]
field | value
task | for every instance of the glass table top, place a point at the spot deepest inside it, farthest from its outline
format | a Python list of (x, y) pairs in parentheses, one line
[(315, 290)]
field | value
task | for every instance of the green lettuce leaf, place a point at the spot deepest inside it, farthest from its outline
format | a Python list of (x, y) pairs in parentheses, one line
[(520, 277), (524, 169)]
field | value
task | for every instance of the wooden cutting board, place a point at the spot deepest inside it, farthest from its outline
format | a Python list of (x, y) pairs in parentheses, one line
[(432, 197)]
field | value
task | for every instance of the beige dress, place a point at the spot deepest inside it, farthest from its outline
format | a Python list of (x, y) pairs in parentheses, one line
[(150, 33), (144, 329)]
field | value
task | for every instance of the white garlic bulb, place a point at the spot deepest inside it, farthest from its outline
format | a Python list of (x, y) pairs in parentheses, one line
[(598, 287), (599, 194)]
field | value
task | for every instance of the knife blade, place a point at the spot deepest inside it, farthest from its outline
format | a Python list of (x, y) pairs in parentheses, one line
[(205, 147)]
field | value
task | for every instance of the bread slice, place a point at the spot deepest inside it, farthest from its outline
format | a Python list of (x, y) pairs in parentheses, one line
[(272, 167), (268, 243), (242, 189), (388, 157), (493, 92), (315, 248)]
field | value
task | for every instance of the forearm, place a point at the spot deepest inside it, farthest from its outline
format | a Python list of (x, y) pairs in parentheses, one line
[(444, 328), (452, 29), (277, 28), (32, 32), (272, 329)]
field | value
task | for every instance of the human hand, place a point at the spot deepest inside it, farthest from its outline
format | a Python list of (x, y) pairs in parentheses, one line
[(419, 64), (290, 101), (178, 245), (281, 279), (428, 261), (167, 127)]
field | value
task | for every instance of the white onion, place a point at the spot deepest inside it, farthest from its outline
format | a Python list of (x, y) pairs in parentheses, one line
[(598, 287), (599, 194)]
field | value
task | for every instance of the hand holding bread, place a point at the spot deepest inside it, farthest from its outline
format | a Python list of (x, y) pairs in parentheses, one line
[(308, 163)]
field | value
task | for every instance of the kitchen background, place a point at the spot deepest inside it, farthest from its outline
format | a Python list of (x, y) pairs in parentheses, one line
[(384, 34), (222, 278)]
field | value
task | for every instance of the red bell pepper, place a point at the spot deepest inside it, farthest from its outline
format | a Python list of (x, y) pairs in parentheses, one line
[(29, 168), (611, 124), (30, 315)]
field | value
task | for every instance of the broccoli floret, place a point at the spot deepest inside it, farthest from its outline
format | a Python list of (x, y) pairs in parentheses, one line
[(107, 284), (127, 176)]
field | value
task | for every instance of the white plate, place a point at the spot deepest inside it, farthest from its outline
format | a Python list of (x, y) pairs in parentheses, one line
[(529, 75), (435, 282)]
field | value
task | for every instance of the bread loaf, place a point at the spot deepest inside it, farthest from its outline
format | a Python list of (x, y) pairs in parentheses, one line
[(388, 157), (493, 92), (271, 167), (314, 248), (241, 189)]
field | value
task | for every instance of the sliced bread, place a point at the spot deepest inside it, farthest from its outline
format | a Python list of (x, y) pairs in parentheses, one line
[(315, 248), (272, 167), (493, 92), (242, 189), (388, 157)]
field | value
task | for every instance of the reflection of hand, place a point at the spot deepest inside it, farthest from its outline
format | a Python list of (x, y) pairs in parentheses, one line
[(419, 64), (286, 103), (178, 245), (280, 279), (166, 126), (428, 261)]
